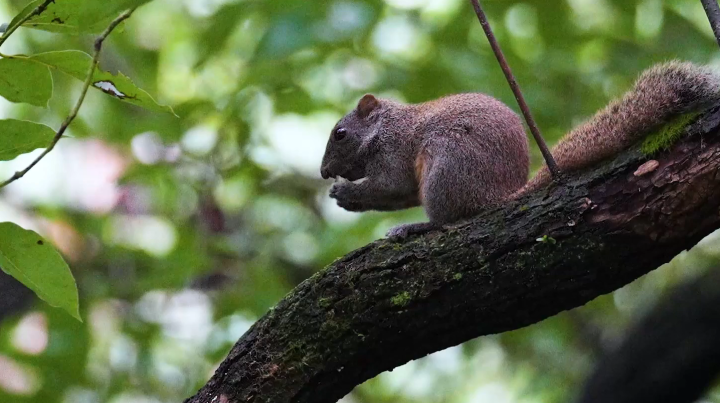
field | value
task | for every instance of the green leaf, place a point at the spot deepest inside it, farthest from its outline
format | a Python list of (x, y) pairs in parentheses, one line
[(33, 261), (19, 137), (24, 13), (101, 13), (24, 81), (76, 16), (76, 64)]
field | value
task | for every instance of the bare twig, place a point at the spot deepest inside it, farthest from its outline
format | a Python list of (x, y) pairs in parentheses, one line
[(549, 160), (37, 11), (86, 86), (713, 13)]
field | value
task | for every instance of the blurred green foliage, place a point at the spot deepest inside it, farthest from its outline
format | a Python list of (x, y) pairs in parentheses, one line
[(181, 231)]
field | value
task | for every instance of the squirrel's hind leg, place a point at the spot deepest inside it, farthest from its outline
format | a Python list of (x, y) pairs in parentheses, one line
[(449, 187), (456, 183)]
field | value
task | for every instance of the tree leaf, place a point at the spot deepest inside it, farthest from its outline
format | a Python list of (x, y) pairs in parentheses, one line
[(19, 137), (76, 64), (33, 261), (25, 12), (94, 13), (76, 16), (24, 81)]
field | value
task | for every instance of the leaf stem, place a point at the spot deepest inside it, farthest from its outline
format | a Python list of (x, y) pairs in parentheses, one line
[(88, 82), (37, 11)]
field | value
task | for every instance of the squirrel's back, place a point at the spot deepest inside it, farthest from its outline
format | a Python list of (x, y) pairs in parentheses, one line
[(660, 94), (483, 141), (465, 107)]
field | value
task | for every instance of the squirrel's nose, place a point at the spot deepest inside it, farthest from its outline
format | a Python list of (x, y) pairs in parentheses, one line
[(325, 173)]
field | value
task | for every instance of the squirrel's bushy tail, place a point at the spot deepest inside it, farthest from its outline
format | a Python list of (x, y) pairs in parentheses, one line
[(661, 93)]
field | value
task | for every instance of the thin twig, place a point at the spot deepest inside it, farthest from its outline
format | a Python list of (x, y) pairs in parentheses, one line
[(37, 11), (86, 86), (549, 160), (713, 13)]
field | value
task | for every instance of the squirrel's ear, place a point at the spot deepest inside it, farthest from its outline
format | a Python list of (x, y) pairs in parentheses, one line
[(367, 104)]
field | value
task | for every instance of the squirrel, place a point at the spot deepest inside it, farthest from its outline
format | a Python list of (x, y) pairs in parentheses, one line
[(462, 153)]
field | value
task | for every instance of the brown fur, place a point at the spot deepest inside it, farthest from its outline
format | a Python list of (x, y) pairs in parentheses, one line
[(459, 154), (454, 155), (422, 160), (661, 93)]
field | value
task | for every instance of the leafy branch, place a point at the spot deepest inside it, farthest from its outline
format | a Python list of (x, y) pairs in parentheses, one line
[(23, 19), (86, 86), (24, 254)]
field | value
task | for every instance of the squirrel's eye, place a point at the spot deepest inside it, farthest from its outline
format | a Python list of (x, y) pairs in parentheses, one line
[(340, 134)]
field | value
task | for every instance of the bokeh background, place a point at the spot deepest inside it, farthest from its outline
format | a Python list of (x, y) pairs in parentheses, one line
[(182, 231)]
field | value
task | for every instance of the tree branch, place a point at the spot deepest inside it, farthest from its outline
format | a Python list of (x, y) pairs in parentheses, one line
[(713, 13), (86, 86), (388, 303)]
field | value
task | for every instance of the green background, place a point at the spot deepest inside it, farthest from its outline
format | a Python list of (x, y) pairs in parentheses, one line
[(182, 231)]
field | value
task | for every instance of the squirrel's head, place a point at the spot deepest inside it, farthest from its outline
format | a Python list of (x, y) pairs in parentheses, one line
[(351, 141)]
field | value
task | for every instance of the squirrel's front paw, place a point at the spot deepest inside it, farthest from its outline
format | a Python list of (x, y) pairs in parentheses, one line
[(350, 205), (344, 196), (337, 191)]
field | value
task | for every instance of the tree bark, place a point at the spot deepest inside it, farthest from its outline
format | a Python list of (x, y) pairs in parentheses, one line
[(390, 302)]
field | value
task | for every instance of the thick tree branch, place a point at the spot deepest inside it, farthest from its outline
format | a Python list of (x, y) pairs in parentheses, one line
[(388, 303)]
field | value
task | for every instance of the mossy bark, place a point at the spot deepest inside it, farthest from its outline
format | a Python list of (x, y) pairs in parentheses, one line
[(390, 302)]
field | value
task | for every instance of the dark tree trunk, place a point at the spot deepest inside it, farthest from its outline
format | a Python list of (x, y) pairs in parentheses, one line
[(14, 297), (391, 302), (671, 355)]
